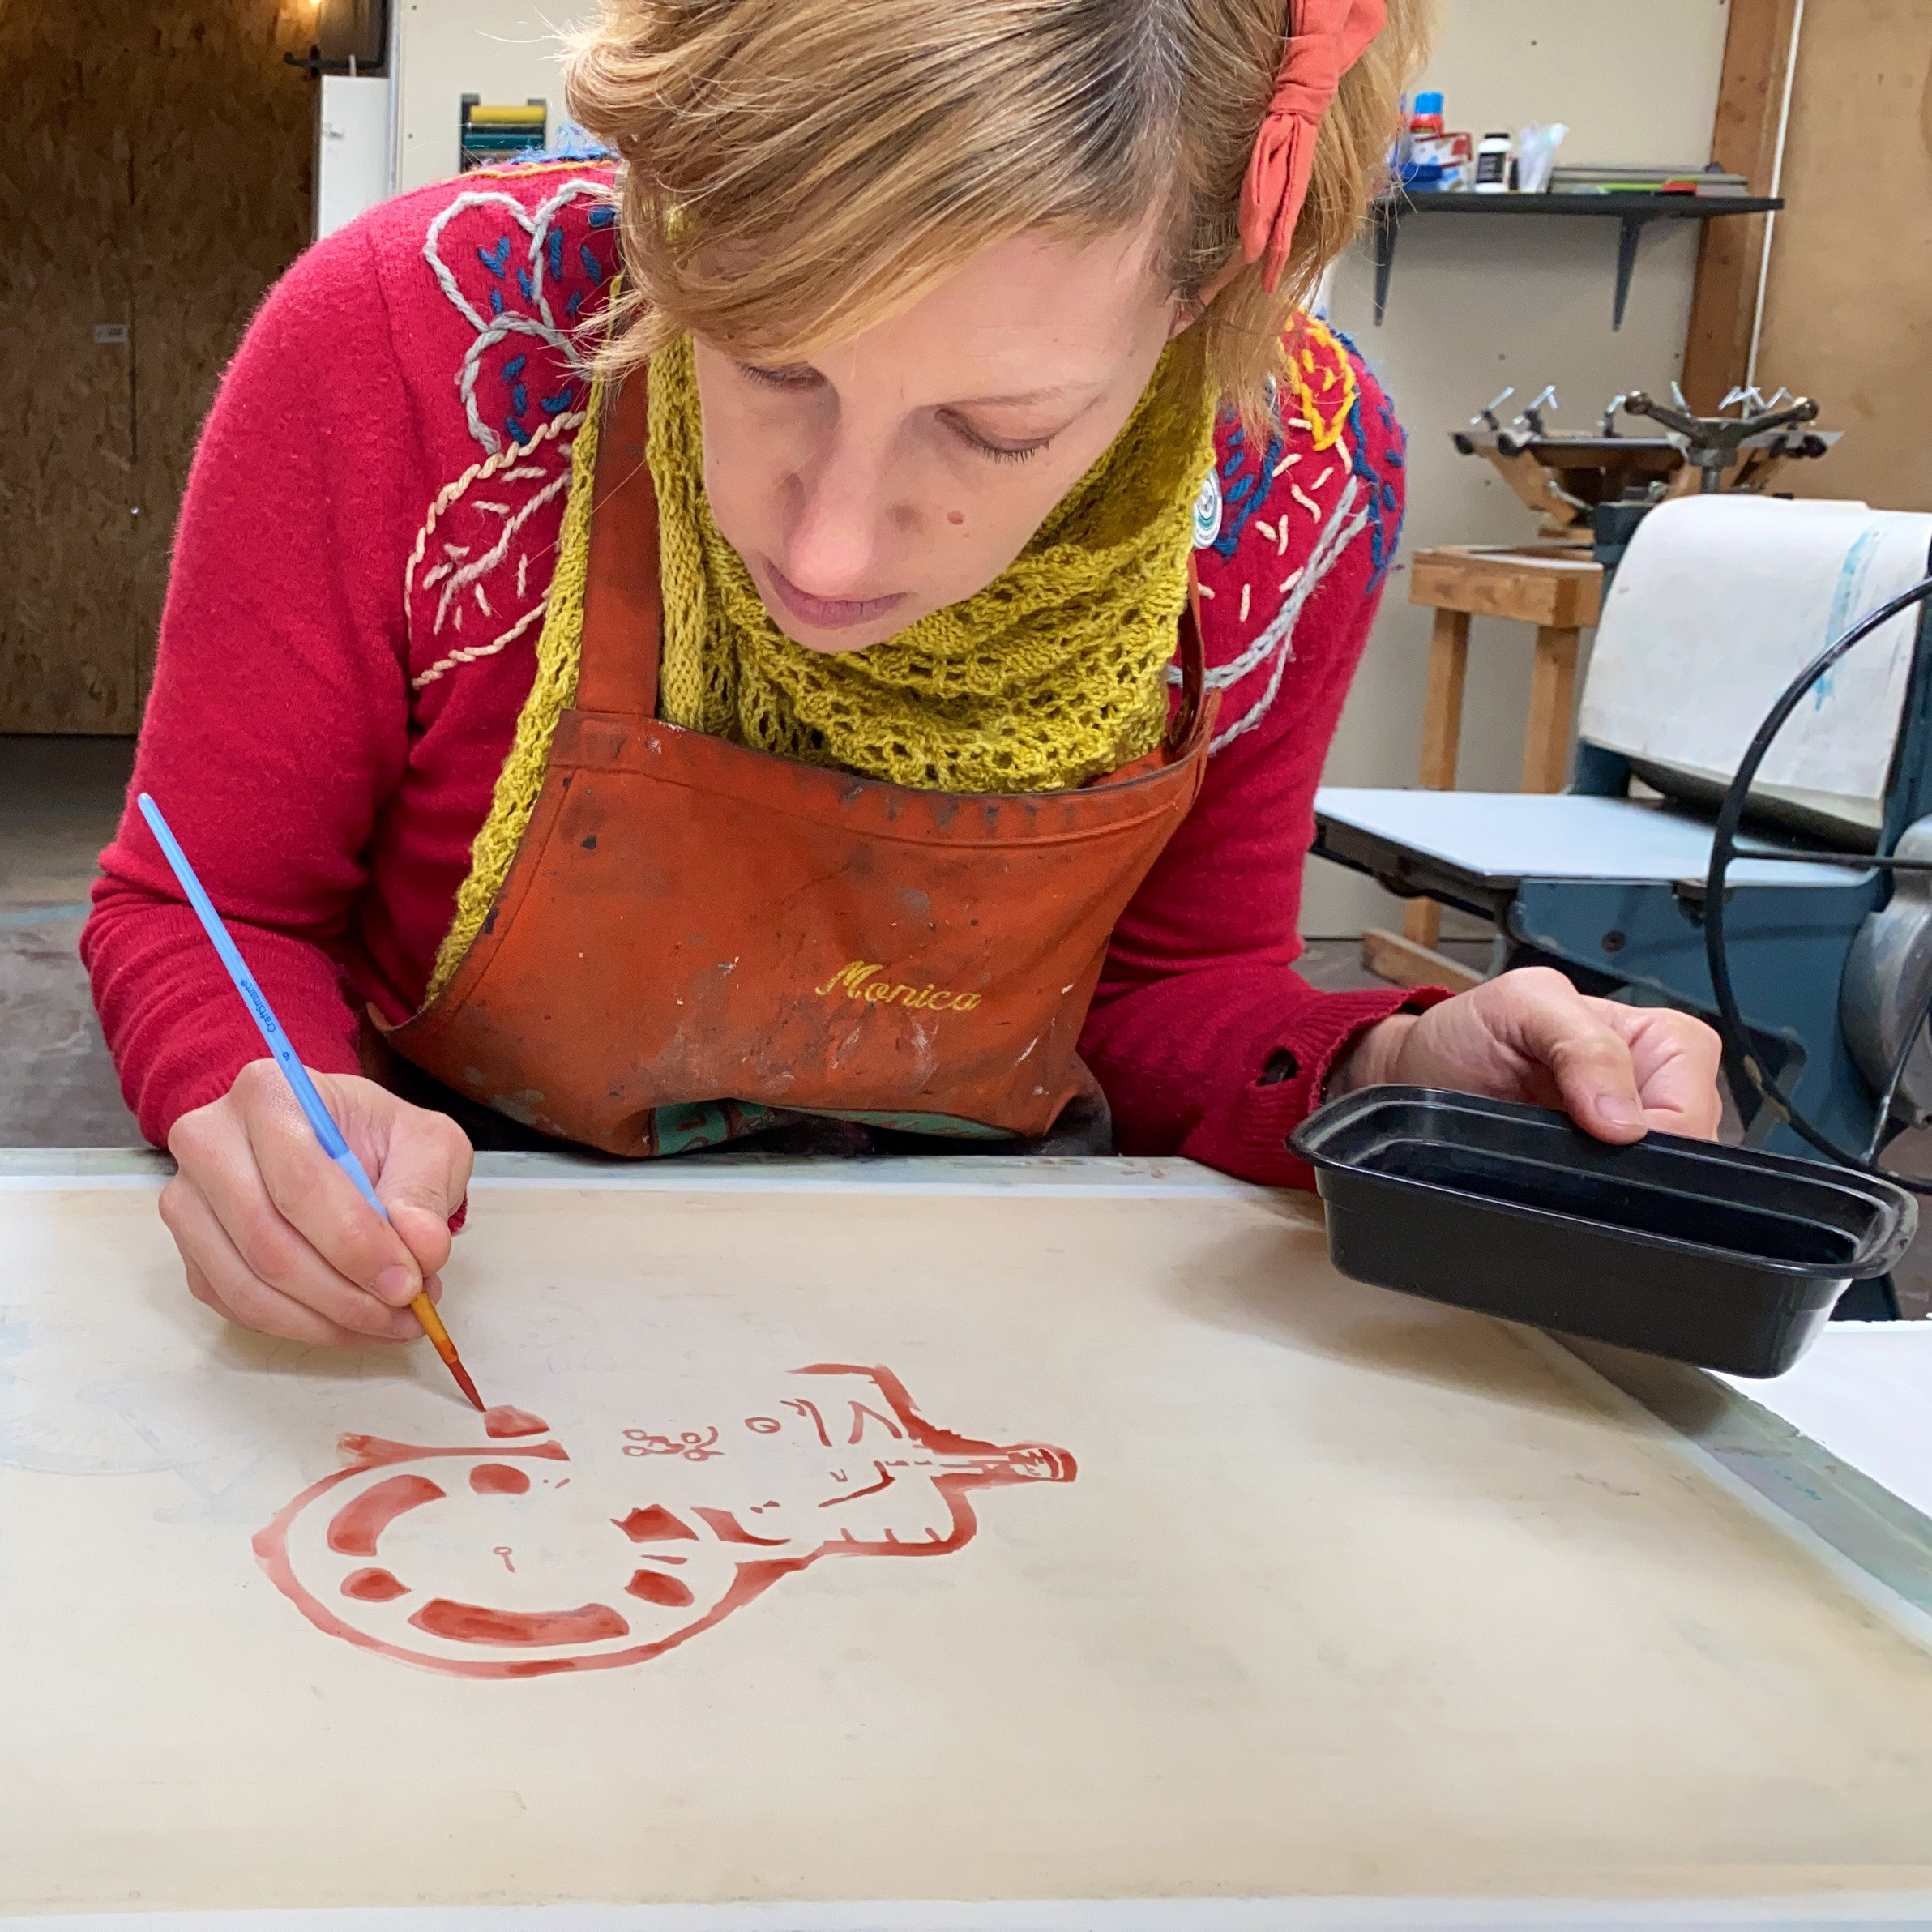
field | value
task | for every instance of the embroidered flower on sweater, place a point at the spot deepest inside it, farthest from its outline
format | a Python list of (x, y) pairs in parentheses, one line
[(1285, 512), (523, 278)]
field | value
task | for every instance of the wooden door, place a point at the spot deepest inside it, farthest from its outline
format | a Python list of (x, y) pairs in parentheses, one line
[(154, 182), (1847, 312)]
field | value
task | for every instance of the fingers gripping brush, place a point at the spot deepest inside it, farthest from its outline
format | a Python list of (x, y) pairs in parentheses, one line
[(319, 1117)]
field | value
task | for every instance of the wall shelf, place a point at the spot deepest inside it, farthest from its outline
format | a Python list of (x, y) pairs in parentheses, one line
[(1633, 212)]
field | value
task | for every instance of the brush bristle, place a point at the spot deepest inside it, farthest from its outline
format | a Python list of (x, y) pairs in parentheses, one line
[(464, 1383)]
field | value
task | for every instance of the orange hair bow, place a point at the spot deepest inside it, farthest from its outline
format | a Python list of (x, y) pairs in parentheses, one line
[(1326, 38)]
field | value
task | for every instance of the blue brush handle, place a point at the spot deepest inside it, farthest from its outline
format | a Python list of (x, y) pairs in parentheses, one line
[(337, 1149)]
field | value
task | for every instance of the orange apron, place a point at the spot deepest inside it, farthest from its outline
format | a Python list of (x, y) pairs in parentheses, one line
[(696, 942)]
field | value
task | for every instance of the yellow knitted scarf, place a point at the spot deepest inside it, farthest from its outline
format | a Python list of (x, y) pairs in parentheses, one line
[(1053, 674)]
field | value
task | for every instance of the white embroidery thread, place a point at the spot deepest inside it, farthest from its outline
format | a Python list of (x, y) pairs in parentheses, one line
[(1345, 523), (459, 571)]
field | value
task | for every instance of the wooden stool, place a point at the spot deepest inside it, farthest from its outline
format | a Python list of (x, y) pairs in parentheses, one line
[(1558, 590)]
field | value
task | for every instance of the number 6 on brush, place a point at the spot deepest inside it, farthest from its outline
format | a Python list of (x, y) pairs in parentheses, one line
[(337, 1149)]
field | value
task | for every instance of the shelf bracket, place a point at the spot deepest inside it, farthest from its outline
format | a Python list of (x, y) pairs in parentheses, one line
[(1388, 226), (1631, 222), (1629, 232)]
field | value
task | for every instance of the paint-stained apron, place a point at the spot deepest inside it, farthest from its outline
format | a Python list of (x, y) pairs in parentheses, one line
[(696, 942)]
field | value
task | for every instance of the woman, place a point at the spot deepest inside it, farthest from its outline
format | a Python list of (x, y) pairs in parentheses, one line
[(689, 651)]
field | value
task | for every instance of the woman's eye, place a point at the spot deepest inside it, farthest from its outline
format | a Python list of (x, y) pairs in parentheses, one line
[(780, 379), (1000, 452)]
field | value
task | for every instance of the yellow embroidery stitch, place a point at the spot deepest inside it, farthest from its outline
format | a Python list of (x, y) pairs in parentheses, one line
[(857, 982), (1325, 421)]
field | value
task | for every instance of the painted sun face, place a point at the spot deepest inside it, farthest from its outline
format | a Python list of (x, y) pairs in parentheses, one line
[(521, 1558)]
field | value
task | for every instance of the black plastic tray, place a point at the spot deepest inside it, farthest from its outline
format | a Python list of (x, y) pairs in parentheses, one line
[(1722, 1257)]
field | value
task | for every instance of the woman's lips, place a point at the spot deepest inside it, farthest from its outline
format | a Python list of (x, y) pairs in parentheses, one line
[(829, 614)]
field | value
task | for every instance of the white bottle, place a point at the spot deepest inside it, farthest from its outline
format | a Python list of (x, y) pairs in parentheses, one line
[(1492, 164)]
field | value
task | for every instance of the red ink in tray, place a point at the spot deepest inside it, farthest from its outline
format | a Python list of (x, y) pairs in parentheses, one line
[(407, 1551)]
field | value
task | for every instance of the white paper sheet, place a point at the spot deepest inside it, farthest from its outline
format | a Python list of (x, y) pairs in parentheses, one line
[(1864, 1391), (1719, 603), (1182, 1569)]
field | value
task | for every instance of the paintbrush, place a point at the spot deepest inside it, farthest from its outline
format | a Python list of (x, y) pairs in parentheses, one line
[(319, 1117)]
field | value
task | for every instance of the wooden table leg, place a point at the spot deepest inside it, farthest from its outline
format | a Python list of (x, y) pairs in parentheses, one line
[(1552, 698), (1442, 734)]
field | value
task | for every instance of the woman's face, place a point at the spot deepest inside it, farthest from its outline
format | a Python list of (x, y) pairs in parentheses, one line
[(904, 470)]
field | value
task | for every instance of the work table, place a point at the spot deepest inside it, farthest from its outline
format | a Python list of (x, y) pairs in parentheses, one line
[(1247, 1599)]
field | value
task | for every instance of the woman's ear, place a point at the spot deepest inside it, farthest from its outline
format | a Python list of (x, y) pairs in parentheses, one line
[(1188, 310)]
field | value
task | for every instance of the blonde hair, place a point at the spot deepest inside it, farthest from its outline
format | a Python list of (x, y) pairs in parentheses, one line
[(794, 171)]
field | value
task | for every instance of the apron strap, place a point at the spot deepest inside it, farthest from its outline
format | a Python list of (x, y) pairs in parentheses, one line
[(1191, 716), (623, 597)]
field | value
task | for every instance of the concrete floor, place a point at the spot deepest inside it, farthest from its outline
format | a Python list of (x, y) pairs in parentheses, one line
[(60, 800)]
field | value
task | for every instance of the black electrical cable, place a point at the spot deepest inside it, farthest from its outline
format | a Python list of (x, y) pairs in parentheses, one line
[(1724, 849)]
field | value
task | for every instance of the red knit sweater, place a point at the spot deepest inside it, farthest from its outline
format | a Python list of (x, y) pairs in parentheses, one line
[(350, 634)]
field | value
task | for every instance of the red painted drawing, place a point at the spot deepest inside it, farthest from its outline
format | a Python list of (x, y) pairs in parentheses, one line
[(518, 1558)]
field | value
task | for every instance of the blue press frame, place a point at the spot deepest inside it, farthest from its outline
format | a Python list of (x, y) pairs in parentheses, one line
[(1787, 945)]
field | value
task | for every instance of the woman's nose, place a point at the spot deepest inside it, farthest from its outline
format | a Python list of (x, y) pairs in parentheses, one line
[(839, 511)]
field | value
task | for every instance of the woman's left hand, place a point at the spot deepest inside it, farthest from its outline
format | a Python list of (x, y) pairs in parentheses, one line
[(1619, 1071)]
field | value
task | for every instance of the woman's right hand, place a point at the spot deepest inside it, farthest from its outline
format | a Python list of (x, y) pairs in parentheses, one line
[(275, 1236)]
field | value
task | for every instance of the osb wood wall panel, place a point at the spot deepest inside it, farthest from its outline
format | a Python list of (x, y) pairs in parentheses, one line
[(160, 179), (1848, 310), (224, 203), (67, 649)]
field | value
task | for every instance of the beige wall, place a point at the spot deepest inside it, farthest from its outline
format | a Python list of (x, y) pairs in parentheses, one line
[(1479, 303), (505, 50)]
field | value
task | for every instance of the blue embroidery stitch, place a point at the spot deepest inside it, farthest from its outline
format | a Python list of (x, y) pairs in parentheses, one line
[(1384, 542), (582, 148), (554, 405), (519, 399), (518, 433), (1396, 534), (496, 301), (603, 217), (555, 252), (495, 259), (1246, 497), (575, 303), (592, 267), (525, 283)]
